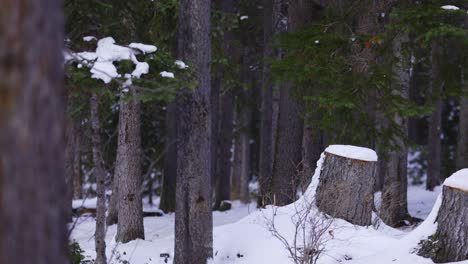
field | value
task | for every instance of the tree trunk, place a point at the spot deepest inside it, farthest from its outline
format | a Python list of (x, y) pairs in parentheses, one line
[(345, 189), (32, 143), (194, 220), (130, 212), (435, 121), (223, 183), (312, 146), (394, 207), (113, 211), (462, 142), (245, 153), (266, 125), (237, 160), (77, 174), (452, 228), (69, 151), (100, 233), (168, 195)]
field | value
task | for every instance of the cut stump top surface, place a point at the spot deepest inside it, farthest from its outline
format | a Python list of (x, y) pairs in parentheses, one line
[(352, 152), (458, 180)]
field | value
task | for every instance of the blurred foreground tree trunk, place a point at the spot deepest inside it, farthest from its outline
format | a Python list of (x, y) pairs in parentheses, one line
[(32, 143)]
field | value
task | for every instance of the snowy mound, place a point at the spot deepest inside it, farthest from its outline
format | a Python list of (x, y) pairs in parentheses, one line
[(458, 180), (352, 152)]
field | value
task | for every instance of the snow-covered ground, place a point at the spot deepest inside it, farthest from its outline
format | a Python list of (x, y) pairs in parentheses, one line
[(241, 235)]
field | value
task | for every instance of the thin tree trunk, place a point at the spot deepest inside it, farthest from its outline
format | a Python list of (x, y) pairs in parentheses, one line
[(394, 207), (69, 151), (266, 125), (237, 160), (130, 212), (245, 154), (77, 174), (100, 233), (223, 183), (194, 220), (435, 121), (113, 210), (32, 143), (168, 195), (462, 142)]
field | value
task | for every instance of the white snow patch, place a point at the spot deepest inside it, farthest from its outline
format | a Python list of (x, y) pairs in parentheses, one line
[(86, 55), (244, 17), (143, 47), (141, 68), (89, 38), (450, 7), (180, 64), (352, 152), (458, 180), (166, 74)]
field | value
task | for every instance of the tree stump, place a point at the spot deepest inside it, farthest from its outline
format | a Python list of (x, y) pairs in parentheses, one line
[(346, 183), (452, 219)]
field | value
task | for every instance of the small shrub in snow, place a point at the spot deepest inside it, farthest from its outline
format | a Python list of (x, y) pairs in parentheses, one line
[(311, 232)]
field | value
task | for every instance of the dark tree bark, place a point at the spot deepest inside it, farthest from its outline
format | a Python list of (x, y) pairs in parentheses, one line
[(266, 125), (100, 233), (312, 146), (113, 211), (168, 197), (223, 182), (435, 120), (77, 174), (452, 228), (69, 152), (246, 119), (194, 221), (394, 207), (462, 142), (128, 170), (288, 152), (32, 143), (237, 160), (345, 189)]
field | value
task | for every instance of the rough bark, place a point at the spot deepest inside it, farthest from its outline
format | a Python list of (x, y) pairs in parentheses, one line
[(128, 162), (462, 142), (193, 219), (32, 143), (100, 233), (435, 120), (168, 197), (394, 207), (452, 228), (345, 189)]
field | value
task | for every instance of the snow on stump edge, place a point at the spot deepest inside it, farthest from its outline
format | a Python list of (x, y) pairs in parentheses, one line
[(345, 188), (452, 220)]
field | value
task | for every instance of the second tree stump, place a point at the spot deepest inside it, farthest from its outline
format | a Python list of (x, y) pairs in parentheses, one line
[(346, 183)]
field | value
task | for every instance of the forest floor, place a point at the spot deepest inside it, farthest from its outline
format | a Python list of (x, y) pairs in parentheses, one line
[(242, 235)]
